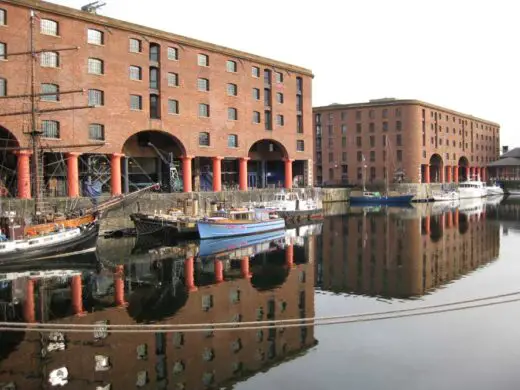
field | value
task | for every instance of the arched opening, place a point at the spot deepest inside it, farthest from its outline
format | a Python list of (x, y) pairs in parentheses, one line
[(436, 227), (436, 169), (463, 168), (8, 144), (463, 223), (266, 166), (153, 157)]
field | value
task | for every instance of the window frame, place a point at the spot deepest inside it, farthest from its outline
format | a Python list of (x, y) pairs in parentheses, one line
[(231, 66), (46, 31), (233, 90), (101, 96), (206, 110), (3, 52), (3, 17), (255, 115), (256, 94), (176, 111), (140, 100), (172, 49), (139, 72), (205, 57), (55, 57), (207, 136), (101, 129), (48, 98), (139, 45), (207, 83), (101, 36), (280, 120), (279, 97), (232, 137), (176, 76), (255, 72), (232, 114), (49, 121), (3, 86), (101, 64), (298, 143), (278, 77)]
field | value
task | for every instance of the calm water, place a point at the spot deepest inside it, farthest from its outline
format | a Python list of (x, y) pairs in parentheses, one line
[(361, 260)]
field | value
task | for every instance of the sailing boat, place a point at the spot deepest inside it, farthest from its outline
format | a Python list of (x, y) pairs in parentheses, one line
[(375, 197), (47, 235)]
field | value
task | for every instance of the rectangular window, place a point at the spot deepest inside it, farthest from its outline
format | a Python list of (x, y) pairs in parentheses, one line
[(268, 121), (96, 132), (203, 84), (300, 145), (267, 97), (299, 85), (343, 129), (173, 79), (267, 77), (135, 72), (96, 97), (278, 77), (360, 156), (203, 110), (173, 53), (385, 126), (399, 155), (3, 87), (232, 90), (255, 71), (372, 141), (135, 45), (384, 140), (299, 103), (359, 142), (232, 141), (173, 106), (344, 156), (48, 59), (358, 115), (256, 93), (385, 113), (154, 77), (136, 102), (50, 129), (3, 17), (95, 66), (231, 66), (398, 126), (279, 97), (372, 156), (398, 112), (371, 127), (48, 27), (371, 114), (155, 107), (204, 139), (232, 114), (50, 91), (343, 142), (95, 37), (203, 60), (331, 157), (343, 115), (279, 120), (256, 117), (359, 127), (299, 124)]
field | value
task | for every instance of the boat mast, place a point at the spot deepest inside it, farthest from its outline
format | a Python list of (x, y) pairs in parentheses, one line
[(34, 133)]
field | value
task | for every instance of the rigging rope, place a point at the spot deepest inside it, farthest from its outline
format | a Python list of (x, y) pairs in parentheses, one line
[(274, 324)]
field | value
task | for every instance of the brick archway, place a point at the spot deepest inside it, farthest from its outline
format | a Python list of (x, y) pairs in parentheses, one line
[(436, 169)]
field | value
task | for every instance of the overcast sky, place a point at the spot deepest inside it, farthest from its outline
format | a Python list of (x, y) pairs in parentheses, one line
[(460, 54)]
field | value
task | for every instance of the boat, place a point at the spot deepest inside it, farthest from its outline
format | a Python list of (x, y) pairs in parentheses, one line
[(172, 224), (446, 196), (514, 193), (239, 222), (494, 189), (212, 247), (472, 188), (375, 197), (291, 207)]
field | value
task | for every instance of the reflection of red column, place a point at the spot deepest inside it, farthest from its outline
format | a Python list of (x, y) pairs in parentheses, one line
[(28, 308), (189, 274), (456, 217), (186, 173), (219, 271), (289, 256), (73, 174), (288, 173), (77, 295), (115, 173), (427, 226), (448, 174), (23, 172), (217, 174), (242, 173), (449, 219), (244, 266), (427, 173), (456, 174), (119, 285), (443, 221)]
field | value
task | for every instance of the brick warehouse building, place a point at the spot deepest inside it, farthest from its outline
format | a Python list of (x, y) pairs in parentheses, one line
[(410, 140), (227, 119)]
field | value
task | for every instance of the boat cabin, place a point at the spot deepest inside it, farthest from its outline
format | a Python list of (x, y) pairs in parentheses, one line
[(286, 196), (243, 214)]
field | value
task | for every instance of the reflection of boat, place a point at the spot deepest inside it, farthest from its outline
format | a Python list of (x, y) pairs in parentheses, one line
[(494, 200), (239, 223), (220, 245), (367, 197), (472, 189), (62, 243), (473, 206)]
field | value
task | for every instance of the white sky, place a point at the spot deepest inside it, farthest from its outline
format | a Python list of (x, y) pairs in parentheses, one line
[(460, 54)]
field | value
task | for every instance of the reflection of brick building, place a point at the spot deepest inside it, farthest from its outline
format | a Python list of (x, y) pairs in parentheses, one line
[(188, 360), (385, 254), (405, 139)]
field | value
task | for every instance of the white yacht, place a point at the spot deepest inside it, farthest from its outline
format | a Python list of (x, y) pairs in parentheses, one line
[(472, 188), (494, 189), (446, 196)]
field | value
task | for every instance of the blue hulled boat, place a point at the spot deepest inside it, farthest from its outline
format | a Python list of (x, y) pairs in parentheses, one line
[(239, 222), (211, 247), (376, 198)]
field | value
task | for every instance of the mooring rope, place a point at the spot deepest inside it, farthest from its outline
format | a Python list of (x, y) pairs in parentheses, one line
[(260, 325)]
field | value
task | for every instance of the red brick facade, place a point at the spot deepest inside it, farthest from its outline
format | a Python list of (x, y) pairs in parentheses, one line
[(177, 58), (411, 140)]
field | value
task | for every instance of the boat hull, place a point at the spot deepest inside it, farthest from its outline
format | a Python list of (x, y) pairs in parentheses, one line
[(144, 225), (295, 216), (401, 199), (212, 247), (86, 241), (212, 229)]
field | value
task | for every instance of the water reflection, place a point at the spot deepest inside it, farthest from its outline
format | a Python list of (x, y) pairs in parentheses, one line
[(251, 281), (404, 253)]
